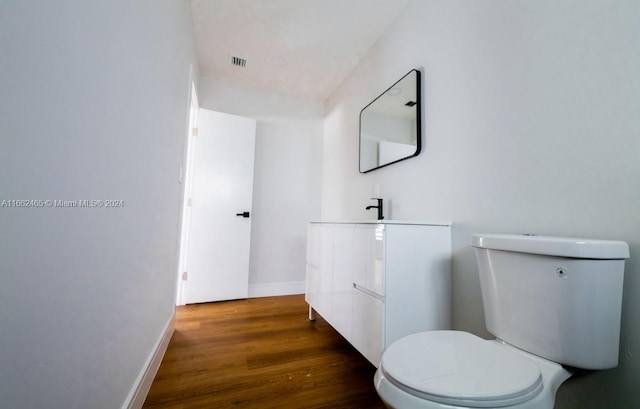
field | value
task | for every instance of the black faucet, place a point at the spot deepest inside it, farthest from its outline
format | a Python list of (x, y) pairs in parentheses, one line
[(379, 207)]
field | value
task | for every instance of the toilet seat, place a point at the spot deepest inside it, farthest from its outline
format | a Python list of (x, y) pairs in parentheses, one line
[(460, 369)]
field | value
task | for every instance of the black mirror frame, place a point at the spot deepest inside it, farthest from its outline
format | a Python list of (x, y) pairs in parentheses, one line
[(418, 122)]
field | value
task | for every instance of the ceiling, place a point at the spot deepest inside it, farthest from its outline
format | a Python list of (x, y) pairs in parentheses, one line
[(302, 48)]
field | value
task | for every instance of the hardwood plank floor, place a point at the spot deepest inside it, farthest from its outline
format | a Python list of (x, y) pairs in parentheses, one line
[(260, 353)]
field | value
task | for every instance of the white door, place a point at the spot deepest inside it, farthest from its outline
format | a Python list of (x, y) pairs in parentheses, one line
[(218, 254)]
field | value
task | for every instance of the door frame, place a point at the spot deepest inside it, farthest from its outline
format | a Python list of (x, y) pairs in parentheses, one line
[(186, 176)]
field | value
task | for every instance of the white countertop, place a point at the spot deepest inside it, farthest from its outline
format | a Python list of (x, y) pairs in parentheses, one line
[(421, 223)]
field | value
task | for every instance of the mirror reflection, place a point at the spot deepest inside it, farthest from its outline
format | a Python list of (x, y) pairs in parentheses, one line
[(390, 125)]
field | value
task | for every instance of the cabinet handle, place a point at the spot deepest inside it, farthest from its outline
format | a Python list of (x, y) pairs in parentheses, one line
[(368, 292)]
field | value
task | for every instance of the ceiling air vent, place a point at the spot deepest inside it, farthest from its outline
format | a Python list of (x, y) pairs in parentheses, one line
[(238, 62)]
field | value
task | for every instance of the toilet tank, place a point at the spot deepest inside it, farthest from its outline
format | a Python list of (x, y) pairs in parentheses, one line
[(558, 298)]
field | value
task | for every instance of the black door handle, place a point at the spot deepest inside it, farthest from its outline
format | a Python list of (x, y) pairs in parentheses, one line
[(243, 214)]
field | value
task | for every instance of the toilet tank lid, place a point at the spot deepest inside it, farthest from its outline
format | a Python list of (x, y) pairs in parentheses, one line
[(553, 246)]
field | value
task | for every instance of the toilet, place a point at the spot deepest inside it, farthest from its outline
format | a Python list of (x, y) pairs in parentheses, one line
[(552, 303)]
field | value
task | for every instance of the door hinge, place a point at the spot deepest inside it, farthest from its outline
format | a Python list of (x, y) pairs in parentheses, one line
[(194, 131), (189, 202), (184, 276)]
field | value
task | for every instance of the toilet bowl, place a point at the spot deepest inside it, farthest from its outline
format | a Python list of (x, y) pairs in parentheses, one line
[(537, 295), (460, 370)]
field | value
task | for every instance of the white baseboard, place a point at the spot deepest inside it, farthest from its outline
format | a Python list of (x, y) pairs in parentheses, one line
[(140, 389), (274, 289)]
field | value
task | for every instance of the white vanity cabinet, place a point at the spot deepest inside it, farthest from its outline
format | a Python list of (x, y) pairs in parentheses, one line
[(377, 282)]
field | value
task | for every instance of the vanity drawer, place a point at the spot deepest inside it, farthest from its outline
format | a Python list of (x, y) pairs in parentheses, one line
[(368, 269), (367, 332), (318, 292)]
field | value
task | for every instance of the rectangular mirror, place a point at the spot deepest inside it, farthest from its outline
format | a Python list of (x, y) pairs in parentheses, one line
[(390, 126)]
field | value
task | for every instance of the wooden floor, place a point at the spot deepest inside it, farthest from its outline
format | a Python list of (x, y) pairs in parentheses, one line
[(259, 353)]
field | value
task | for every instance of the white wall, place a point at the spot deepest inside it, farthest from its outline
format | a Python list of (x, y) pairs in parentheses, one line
[(287, 178), (93, 105), (531, 125)]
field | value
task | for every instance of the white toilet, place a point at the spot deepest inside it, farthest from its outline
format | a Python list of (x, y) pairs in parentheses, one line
[(550, 302)]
